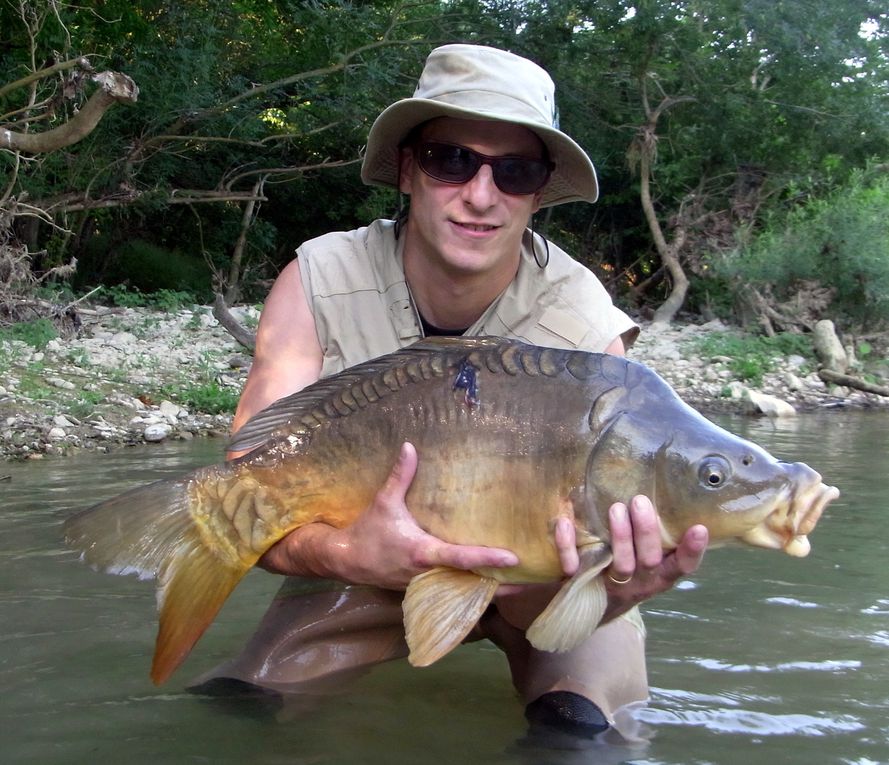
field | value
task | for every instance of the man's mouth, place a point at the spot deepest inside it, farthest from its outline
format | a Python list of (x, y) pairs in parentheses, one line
[(478, 227)]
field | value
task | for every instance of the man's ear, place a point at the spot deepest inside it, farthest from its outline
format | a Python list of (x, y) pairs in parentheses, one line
[(406, 168)]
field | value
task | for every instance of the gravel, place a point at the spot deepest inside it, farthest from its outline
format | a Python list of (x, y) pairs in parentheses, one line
[(125, 377)]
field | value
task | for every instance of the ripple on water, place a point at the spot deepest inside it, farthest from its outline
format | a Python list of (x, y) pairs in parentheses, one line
[(880, 608), (792, 602), (830, 665), (748, 722)]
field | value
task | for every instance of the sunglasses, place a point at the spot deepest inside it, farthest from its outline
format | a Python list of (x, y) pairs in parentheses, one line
[(450, 163)]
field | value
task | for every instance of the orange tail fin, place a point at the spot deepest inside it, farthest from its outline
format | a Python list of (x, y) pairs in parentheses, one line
[(150, 532)]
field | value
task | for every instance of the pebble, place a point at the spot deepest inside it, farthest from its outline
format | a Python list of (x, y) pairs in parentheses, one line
[(157, 432)]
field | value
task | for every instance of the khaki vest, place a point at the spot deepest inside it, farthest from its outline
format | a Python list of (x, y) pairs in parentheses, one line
[(362, 306)]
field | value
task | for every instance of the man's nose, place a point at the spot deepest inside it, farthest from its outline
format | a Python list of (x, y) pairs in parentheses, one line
[(480, 191)]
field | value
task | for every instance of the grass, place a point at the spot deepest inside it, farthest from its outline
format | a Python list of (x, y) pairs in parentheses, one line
[(209, 397), (36, 333), (753, 356)]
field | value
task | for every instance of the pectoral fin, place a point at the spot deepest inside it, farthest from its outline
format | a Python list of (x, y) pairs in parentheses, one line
[(576, 610), (440, 607)]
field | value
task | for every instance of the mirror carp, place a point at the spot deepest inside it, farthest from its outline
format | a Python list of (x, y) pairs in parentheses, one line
[(510, 437)]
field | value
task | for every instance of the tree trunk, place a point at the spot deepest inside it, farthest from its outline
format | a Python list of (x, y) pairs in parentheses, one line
[(837, 378), (233, 282), (669, 253), (644, 150)]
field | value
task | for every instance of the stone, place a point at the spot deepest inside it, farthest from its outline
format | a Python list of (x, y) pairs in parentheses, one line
[(828, 347), (771, 406), (793, 382), (157, 432), (58, 382), (56, 434), (169, 409)]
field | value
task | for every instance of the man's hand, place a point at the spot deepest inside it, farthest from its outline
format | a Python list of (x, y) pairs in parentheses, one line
[(639, 562), (383, 547)]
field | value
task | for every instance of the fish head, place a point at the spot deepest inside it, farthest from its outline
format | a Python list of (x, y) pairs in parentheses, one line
[(737, 490), (646, 440)]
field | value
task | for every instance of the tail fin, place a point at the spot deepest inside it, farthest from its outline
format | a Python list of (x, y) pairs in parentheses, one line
[(150, 532)]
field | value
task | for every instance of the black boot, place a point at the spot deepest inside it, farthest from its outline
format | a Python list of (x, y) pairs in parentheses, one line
[(566, 712)]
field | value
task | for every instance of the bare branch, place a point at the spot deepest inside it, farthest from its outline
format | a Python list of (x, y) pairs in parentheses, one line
[(240, 333), (289, 172), (113, 87), (81, 62)]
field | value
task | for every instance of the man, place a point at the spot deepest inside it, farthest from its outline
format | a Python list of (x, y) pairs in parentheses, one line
[(478, 152)]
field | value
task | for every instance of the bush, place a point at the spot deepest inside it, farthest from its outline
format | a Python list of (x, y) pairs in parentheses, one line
[(162, 300), (147, 268), (35, 333), (840, 242), (208, 397)]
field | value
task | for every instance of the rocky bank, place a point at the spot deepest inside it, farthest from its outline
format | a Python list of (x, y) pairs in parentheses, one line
[(134, 375)]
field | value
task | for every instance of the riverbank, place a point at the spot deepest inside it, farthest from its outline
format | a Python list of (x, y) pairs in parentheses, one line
[(133, 375)]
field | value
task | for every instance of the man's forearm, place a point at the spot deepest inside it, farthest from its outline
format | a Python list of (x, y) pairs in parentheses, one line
[(310, 551)]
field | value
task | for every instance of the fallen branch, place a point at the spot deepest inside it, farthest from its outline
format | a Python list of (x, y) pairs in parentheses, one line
[(237, 330), (837, 378)]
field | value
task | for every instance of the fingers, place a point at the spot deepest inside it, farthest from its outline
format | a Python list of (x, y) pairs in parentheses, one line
[(466, 557), (689, 554), (400, 477), (640, 569), (566, 545)]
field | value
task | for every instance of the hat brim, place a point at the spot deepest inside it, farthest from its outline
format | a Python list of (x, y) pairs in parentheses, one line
[(572, 180)]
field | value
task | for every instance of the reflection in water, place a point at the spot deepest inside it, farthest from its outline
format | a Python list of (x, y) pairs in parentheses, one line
[(758, 655)]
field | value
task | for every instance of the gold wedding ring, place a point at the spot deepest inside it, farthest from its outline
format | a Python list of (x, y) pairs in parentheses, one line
[(620, 581)]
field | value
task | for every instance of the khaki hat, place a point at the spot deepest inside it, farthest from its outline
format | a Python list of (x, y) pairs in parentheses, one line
[(480, 83)]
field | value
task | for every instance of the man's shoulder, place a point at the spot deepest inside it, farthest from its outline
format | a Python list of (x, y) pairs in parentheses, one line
[(348, 242), (360, 259)]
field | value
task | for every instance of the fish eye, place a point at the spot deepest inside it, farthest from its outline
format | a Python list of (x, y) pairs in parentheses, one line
[(714, 471)]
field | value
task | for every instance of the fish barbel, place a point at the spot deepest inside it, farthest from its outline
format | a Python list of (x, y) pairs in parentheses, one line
[(510, 437)]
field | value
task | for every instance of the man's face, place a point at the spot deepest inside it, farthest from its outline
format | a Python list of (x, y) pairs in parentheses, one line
[(470, 227)]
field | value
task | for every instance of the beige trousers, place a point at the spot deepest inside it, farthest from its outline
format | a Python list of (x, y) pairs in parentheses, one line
[(312, 636)]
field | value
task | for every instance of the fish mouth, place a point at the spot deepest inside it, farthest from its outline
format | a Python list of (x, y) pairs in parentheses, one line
[(795, 514)]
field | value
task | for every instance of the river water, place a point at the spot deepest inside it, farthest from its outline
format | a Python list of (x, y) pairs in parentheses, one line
[(758, 657)]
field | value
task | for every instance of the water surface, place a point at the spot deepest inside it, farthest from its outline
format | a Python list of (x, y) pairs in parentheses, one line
[(757, 656)]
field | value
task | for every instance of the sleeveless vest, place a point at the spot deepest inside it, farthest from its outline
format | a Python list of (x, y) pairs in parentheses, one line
[(355, 284)]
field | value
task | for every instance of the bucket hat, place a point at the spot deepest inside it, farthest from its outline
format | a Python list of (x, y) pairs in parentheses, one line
[(480, 83)]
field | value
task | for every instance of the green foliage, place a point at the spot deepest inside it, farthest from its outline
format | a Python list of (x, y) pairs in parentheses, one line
[(749, 357), (149, 268), (162, 300), (209, 397), (840, 241), (86, 404), (790, 89), (36, 333)]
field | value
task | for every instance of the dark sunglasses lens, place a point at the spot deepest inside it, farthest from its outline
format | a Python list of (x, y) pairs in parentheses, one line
[(514, 175), (457, 164), (451, 164)]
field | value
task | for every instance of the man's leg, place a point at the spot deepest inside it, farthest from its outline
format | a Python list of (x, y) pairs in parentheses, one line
[(311, 637), (607, 669)]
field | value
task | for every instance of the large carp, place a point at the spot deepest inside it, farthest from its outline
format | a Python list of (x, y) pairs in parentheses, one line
[(510, 437)]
